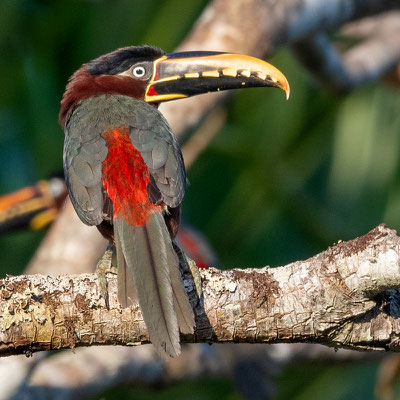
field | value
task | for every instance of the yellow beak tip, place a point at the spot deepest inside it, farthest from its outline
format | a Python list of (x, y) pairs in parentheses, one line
[(286, 88)]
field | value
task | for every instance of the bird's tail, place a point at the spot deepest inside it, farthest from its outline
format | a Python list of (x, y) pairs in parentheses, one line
[(148, 271)]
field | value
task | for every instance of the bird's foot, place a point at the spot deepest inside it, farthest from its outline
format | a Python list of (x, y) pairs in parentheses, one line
[(188, 265), (104, 267), (196, 277)]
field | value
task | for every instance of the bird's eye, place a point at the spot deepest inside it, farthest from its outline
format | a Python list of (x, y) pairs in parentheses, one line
[(139, 72)]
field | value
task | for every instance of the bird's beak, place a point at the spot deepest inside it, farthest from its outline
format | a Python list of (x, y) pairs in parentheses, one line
[(185, 74)]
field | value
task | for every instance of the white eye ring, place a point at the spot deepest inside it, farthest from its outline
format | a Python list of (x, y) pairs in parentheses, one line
[(139, 72)]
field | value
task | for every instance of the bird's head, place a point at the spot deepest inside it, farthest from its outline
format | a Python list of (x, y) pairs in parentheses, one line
[(147, 73)]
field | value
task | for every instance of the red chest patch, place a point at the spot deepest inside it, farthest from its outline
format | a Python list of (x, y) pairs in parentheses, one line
[(125, 177)]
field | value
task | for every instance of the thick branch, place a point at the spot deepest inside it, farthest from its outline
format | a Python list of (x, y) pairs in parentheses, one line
[(343, 297)]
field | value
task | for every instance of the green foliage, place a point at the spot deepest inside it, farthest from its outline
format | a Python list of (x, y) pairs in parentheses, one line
[(281, 181), (202, 389), (329, 382)]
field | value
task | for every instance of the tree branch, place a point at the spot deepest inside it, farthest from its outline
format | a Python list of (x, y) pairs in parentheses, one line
[(343, 71), (343, 297)]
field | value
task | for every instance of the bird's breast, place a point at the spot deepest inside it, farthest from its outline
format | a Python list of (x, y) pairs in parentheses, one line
[(125, 177)]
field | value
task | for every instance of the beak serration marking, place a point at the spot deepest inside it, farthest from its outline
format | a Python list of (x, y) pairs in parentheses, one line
[(210, 74), (261, 75), (229, 72), (245, 73), (192, 75)]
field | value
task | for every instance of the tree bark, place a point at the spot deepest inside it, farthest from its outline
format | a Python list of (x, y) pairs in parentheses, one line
[(343, 297)]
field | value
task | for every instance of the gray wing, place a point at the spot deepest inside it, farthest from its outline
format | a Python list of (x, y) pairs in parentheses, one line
[(83, 156), (85, 150), (158, 146)]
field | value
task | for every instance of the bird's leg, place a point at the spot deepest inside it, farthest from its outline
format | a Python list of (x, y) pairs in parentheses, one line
[(186, 265), (103, 267)]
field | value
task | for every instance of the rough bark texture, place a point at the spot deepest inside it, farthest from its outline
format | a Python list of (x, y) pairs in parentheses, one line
[(343, 297)]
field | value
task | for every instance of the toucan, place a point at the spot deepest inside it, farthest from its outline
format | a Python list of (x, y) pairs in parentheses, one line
[(124, 169)]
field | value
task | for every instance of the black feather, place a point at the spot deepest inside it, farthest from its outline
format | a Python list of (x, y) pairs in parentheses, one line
[(120, 60)]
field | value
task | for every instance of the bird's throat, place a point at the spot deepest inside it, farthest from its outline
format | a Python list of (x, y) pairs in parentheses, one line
[(125, 177)]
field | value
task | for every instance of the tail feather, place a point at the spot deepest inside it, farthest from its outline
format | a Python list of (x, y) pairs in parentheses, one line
[(148, 259), (183, 309), (126, 286)]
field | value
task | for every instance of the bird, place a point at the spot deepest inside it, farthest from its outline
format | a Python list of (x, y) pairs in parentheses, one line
[(124, 168)]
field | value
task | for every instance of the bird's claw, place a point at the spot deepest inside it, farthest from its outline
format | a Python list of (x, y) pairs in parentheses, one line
[(196, 277), (104, 267)]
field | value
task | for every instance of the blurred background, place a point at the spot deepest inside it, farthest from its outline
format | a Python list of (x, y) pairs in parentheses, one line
[(281, 181)]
